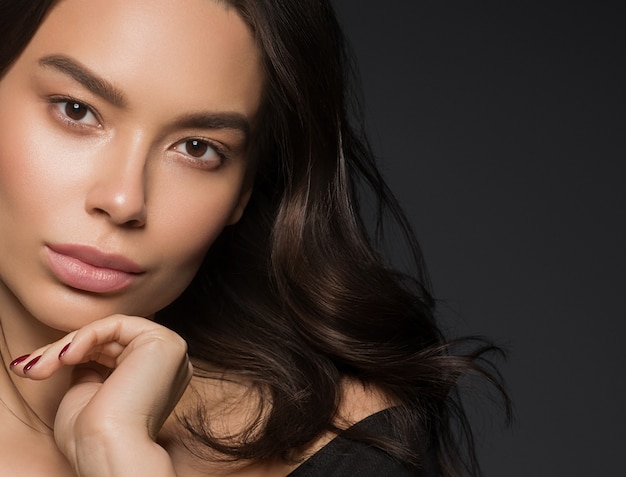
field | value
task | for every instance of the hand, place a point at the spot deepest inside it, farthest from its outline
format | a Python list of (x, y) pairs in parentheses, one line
[(129, 374)]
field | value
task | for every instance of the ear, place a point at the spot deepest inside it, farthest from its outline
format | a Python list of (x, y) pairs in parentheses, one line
[(244, 197)]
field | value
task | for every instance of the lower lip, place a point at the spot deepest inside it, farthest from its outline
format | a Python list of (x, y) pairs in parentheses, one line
[(84, 276)]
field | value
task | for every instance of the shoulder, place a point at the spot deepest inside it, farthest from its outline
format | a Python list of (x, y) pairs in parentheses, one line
[(363, 408), (343, 457)]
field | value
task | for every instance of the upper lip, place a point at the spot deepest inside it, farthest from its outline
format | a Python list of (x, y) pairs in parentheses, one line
[(97, 258)]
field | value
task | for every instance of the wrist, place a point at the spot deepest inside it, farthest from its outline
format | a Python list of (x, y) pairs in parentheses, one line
[(126, 454)]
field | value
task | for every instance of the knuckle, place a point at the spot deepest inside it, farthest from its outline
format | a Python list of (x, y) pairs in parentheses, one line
[(168, 339)]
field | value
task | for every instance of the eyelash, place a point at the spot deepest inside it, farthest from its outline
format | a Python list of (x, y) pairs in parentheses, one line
[(217, 148), (56, 101)]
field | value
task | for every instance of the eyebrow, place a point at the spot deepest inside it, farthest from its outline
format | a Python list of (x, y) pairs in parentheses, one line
[(226, 120), (85, 77), (110, 93)]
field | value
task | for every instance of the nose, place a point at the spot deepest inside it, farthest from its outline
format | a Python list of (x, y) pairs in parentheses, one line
[(119, 190)]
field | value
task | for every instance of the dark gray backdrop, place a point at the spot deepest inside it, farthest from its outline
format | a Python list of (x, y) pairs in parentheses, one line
[(501, 128)]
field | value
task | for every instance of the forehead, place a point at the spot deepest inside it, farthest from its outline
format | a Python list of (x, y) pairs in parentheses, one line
[(165, 49)]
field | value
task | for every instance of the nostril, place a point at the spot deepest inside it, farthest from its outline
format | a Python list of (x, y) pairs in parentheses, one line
[(126, 210), (128, 220), (119, 196), (134, 223), (100, 211)]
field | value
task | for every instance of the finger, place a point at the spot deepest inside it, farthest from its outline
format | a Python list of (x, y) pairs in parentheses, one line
[(44, 362), (102, 341), (151, 371), (145, 386), (86, 380), (126, 331), (90, 372)]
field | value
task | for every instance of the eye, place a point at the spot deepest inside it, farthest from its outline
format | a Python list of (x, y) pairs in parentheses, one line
[(200, 151), (196, 148), (75, 112)]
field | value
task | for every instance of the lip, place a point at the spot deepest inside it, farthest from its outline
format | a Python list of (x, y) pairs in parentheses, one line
[(89, 269)]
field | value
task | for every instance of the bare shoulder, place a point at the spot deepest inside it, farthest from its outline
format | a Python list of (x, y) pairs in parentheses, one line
[(358, 402), (232, 407), (361, 400)]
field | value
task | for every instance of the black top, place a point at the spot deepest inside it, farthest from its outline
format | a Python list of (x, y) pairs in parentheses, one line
[(343, 457)]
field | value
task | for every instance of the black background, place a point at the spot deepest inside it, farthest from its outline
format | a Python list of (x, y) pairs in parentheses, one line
[(501, 128)]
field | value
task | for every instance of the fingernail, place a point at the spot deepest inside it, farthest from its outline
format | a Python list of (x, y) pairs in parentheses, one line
[(17, 361), (64, 350), (31, 363)]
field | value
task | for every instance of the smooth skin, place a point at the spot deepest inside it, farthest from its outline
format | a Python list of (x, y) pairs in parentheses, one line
[(124, 127), (122, 177)]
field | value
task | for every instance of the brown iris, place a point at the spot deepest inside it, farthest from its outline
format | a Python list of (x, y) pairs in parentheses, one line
[(196, 148), (76, 111)]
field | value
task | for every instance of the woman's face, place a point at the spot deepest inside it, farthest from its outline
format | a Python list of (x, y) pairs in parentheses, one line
[(124, 152)]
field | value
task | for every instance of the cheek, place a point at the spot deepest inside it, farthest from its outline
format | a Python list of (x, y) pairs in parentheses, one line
[(187, 219), (17, 164), (33, 176)]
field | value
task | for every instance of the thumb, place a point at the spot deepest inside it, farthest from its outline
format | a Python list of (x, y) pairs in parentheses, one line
[(86, 380)]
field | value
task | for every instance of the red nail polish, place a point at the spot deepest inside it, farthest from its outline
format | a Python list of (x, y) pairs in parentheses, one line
[(17, 361), (64, 350), (31, 363)]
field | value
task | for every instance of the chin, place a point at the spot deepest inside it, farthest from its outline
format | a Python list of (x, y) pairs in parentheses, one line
[(66, 312)]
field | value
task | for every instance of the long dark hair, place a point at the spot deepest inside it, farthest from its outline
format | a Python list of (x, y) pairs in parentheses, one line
[(297, 295)]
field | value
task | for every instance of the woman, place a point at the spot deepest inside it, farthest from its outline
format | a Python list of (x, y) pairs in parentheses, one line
[(184, 177)]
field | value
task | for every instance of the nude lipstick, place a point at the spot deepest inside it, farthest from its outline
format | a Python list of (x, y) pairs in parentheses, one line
[(88, 269)]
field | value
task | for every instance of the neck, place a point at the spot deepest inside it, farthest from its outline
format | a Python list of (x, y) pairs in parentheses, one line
[(32, 402)]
